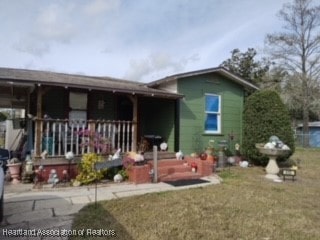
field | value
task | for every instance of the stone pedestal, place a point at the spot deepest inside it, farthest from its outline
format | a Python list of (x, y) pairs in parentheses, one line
[(272, 168)]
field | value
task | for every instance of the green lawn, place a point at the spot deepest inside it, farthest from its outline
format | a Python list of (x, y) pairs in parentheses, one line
[(244, 206)]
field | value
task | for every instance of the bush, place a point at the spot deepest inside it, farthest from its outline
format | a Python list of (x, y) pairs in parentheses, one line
[(265, 115), (87, 174)]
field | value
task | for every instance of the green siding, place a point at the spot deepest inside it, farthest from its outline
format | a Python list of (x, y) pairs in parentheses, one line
[(192, 115), (157, 118)]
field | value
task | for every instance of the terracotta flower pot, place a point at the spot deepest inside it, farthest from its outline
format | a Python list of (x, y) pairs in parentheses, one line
[(210, 158), (14, 169)]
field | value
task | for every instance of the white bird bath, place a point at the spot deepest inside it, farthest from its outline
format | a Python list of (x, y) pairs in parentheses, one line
[(272, 168)]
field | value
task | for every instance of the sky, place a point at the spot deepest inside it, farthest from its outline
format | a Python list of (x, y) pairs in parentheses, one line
[(140, 40)]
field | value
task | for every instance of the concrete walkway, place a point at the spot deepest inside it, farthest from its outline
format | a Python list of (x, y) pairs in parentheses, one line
[(28, 212)]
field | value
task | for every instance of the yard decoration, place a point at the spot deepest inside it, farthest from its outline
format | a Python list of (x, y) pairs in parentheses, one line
[(210, 147), (53, 177), (69, 156), (138, 157), (194, 167), (179, 155), (273, 149), (118, 178), (14, 166)]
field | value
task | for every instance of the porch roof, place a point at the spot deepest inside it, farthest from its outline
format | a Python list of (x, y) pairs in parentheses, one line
[(28, 78), (220, 70)]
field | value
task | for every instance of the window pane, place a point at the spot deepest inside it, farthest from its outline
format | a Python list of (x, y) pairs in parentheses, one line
[(211, 123), (212, 103)]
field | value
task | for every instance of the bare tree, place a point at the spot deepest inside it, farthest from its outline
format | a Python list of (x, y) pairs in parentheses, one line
[(297, 49)]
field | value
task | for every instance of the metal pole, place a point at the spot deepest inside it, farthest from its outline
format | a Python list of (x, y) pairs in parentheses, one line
[(95, 194), (155, 164)]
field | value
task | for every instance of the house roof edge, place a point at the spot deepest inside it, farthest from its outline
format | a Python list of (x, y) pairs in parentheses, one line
[(221, 70)]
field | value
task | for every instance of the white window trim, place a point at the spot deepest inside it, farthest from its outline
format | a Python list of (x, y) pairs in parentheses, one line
[(210, 112)]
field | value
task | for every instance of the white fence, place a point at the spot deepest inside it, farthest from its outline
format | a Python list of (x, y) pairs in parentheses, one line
[(58, 137)]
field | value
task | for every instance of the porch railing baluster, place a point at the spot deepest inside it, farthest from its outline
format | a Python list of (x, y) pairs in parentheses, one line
[(132, 134), (111, 129), (60, 136), (97, 144), (71, 137), (65, 137), (104, 127), (89, 140), (53, 129), (128, 136), (83, 137), (46, 138), (123, 136), (119, 132), (77, 138)]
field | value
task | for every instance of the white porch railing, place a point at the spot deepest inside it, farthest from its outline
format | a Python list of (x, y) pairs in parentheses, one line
[(58, 137)]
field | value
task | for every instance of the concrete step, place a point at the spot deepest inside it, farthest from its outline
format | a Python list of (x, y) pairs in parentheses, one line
[(161, 155), (179, 176), (173, 169), (169, 162)]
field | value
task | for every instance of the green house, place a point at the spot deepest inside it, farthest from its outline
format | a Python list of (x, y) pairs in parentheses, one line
[(211, 108), (184, 110)]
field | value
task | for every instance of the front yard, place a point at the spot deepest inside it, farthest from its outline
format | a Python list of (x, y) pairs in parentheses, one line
[(244, 206)]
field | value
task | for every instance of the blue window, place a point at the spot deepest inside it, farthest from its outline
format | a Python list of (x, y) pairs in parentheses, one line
[(212, 113)]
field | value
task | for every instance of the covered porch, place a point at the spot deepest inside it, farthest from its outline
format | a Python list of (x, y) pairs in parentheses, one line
[(88, 114)]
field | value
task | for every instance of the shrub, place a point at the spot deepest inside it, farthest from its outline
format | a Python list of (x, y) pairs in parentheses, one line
[(87, 174), (265, 115)]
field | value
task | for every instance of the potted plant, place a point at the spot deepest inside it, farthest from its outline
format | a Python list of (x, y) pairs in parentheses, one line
[(210, 147), (14, 166), (210, 150), (194, 167)]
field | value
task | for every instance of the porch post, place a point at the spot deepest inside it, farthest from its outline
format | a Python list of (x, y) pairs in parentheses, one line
[(38, 126), (134, 101)]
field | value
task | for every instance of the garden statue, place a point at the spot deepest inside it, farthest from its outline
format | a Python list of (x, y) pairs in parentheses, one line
[(273, 149), (53, 177), (117, 178), (116, 155), (179, 155)]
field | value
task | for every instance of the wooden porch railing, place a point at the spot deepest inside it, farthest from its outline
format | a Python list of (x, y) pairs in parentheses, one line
[(58, 136)]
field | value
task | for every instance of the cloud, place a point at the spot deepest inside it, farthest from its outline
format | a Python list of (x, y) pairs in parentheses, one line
[(157, 63), (54, 24), (50, 24), (101, 6), (32, 46)]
